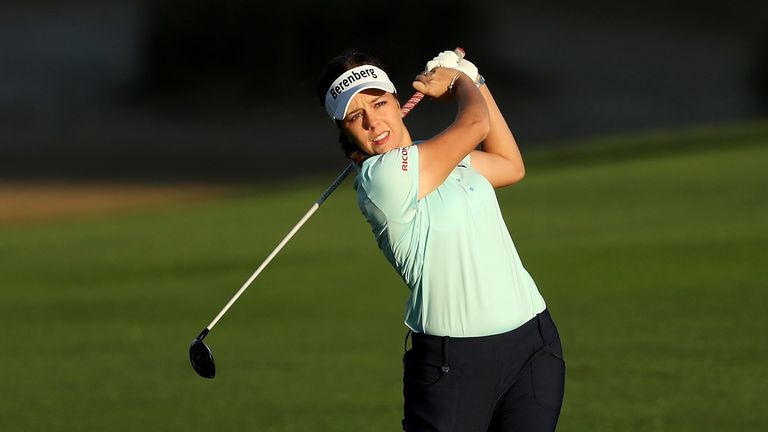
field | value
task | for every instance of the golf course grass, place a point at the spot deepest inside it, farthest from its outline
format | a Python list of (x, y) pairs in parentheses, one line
[(651, 252)]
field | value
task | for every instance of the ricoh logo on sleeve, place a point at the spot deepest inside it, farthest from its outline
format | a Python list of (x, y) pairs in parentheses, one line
[(404, 158), (350, 79)]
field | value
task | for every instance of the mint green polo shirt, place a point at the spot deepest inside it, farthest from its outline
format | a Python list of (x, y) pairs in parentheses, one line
[(452, 247)]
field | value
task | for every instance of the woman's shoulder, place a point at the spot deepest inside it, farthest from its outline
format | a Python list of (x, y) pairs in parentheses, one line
[(398, 161), (393, 174)]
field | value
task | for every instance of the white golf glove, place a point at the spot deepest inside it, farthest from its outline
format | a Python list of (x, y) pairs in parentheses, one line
[(468, 68), (450, 59)]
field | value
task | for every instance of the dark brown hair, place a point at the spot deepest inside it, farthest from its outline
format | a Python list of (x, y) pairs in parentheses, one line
[(333, 69)]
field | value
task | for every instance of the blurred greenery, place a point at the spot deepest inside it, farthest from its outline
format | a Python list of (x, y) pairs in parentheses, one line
[(650, 252)]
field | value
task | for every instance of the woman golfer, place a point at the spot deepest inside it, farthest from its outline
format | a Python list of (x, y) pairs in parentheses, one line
[(485, 355)]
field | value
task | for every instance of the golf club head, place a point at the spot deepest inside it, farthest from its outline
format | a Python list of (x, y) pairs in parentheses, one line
[(202, 359)]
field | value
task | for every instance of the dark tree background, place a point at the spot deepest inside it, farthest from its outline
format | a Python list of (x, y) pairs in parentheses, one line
[(176, 90)]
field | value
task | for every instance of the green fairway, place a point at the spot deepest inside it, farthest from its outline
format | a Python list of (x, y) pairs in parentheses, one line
[(651, 253)]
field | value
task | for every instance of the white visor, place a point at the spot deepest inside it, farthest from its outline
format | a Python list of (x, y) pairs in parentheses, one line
[(352, 82)]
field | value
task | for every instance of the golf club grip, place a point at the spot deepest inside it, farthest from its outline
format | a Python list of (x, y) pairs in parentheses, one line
[(412, 102), (406, 108)]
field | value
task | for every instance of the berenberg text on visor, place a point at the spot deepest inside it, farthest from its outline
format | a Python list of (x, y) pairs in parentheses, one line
[(350, 79)]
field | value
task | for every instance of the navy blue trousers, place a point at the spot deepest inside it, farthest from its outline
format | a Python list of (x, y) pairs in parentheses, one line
[(508, 382)]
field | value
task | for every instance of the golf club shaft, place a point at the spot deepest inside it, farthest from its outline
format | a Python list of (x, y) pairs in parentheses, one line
[(282, 243), (406, 108)]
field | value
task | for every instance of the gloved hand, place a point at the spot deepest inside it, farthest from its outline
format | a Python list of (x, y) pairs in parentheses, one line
[(468, 68), (450, 59)]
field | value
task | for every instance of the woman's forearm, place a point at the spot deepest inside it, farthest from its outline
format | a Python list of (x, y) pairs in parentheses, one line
[(501, 161), (499, 140), (472, 114)]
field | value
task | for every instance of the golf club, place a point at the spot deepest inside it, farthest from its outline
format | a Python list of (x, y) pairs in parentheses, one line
[(200, 354)]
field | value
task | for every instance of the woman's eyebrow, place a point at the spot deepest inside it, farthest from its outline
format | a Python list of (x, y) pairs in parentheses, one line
[(351, 113)]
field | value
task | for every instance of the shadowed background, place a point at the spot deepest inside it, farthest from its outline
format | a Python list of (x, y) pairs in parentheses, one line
[(174, 90), (153, 153)]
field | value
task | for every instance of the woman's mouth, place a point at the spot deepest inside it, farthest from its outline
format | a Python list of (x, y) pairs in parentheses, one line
[(381, 139)]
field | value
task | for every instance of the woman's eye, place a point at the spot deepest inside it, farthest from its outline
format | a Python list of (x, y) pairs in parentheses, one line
[(355, 117), (379, 104)]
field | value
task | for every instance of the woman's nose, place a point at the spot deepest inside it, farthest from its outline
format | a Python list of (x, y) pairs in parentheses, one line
[(370, 119)]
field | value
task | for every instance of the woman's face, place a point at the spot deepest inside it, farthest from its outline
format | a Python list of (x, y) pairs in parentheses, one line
[(374, 123)]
